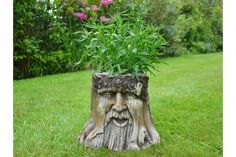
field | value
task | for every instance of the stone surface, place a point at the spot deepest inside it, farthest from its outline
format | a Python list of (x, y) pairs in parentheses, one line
[(120, 114)]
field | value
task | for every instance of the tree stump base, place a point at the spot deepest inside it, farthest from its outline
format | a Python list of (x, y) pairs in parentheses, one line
[(120, 114)]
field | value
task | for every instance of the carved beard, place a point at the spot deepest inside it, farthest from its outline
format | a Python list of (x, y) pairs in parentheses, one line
[(118, 130), (131, 128)]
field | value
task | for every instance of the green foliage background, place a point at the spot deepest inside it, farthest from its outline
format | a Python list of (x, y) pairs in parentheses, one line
[(43, 38), (190, 26), (45, 42)]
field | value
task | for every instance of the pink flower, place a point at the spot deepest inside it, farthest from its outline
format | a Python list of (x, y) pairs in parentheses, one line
[(94, 7), (82, 16), (84, 5), (110, 1), (106, 3), (87, 8), (104, 19)]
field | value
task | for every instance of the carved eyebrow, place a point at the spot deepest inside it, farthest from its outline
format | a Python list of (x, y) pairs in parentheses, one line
[(114, 89), (110, 89)]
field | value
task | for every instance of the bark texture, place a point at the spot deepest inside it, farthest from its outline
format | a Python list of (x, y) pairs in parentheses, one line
[(120, 114)]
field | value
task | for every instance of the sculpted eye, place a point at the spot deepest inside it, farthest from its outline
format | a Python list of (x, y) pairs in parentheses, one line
[(130, 95), (109, 95)]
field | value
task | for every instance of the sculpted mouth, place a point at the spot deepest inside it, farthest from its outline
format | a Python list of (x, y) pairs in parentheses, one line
[(120, 122), (120, 119)]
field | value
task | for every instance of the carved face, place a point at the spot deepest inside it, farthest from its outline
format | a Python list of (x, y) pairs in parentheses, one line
[(120, 117), (117, 102)]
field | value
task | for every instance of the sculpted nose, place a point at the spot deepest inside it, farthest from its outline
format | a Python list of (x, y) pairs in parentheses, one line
[(119, 104)]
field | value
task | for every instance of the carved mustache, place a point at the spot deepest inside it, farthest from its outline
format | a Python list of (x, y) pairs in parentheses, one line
[(119, 116)]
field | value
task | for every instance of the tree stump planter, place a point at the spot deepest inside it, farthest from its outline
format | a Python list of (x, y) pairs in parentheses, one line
[(120, 114)]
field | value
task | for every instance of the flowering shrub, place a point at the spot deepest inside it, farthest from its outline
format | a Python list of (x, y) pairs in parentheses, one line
[(94, 9), (82, 16), (122, 47), (106, 3), (104, 19)]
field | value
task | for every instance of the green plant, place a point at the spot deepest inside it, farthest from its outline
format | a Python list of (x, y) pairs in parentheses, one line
[(42, 41), (189, 26), (122, 47)]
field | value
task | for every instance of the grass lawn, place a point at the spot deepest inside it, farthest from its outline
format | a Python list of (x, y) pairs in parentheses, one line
[(186, 104)]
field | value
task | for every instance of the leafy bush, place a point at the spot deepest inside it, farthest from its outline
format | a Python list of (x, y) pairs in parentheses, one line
[(44, 42), (122, 47), (189, 26), (41, 38)]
